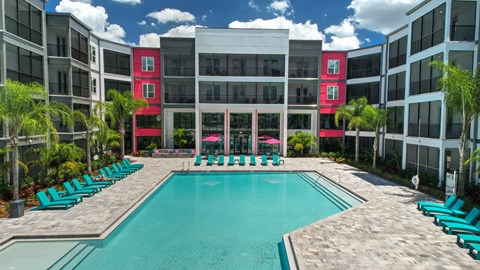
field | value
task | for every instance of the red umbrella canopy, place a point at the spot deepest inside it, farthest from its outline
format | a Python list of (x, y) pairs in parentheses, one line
[(211, 139), (273, 141)]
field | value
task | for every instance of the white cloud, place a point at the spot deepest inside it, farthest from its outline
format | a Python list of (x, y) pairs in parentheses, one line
[(172, 15), (150, 40), (253, 5), (382, 16), (93, 16), (182, 31), (131, 2), (280, 7), (342, 36), (204, 17), (305, 30), (367, 40), (142, 22), (152, 24)]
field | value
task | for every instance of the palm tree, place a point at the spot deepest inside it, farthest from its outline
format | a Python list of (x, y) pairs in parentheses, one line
[(179, 137), (376, 119), (475, 158), (302, 142), (104, 138), (461, 90), (24, 109), (91, 123), (122, 107), (354, 113)]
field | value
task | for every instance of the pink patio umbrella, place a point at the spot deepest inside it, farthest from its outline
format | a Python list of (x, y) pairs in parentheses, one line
[(272, 141), (211, 139)]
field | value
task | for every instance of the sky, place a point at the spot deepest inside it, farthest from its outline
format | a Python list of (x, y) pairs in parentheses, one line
[(341, 24)]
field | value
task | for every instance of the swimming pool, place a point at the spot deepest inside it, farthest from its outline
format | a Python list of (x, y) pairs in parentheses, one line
[(214, 221)]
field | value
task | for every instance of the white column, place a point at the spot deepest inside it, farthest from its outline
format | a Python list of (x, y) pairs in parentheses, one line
[(441, 165)]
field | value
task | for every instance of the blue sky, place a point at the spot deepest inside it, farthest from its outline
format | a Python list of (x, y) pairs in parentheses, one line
[(342, 24)]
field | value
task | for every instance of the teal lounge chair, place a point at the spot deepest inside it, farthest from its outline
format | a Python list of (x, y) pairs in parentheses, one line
[(450, 227), (276, 161), (114, 176), (79, 186), (231, 160), (454, 211), (210, 160), (474, 247), (241, 160), (449, 203), (45, 203), (264, 160), (221, 160), (253, 160), (110, 172), (71, 191), (467, 239), (128, 164), (125, 168), (198, 160), (469, 219), (116, 169), (55, 197), (90, 181)]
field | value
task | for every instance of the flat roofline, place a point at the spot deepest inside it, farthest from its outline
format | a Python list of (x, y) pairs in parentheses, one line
[(71, 16), (397, 30), (417, 7), (369, 47), (232, 28)]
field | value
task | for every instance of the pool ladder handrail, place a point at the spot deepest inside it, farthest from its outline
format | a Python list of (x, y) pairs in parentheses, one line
[(331, 196), (183, 167)]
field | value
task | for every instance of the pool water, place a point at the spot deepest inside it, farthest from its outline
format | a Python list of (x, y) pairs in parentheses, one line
[(212, 221)]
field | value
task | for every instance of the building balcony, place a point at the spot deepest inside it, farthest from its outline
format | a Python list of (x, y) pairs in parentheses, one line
[(302, 100), (61, 127), (57, 50), (79, 127), (251, 72), (79, 91), (303, 73), (462, 32), (243, 99), (427, 41), (179, 99), (395, 128), (58, 88), (453, 130), (397, 94), (426, 130), (424, 86), (397, 61), (179, 72)]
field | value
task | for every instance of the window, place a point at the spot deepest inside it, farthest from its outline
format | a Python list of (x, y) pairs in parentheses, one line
[(299, 121), (397, 53), (23, 20), (79, 47), (116, 62), (184, 120), (369, 90), (396, 86), (148, 121), (333, 66), (147, 63), (80, 81), (24, 66), (120, 86), (428, 30), (395, 120), (148, 90), (93, 54), (94, 85), (327, 121), (423, 78), (428, 113), (332, 92), (364, 66)]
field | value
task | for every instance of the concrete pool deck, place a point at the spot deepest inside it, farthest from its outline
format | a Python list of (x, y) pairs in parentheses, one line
[(385, 232)]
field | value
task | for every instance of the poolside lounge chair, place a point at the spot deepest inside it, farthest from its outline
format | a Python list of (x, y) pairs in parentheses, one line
[(467, 239), (118, 170), (90, 181), (264, 160), (452, 226), (198, 160), (128, 163), (231, 160), (221, 160), (210, 160), (253, 160), (45, 203), (71, 191), (79, 186), (469, 219), (124, 167), (120, 174), (241, 160), (276, 161), (449, 203), (55, 197), (454, 211), (110, 175), (475, 247)]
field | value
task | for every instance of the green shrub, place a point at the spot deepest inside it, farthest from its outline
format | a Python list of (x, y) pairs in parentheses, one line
[(6, 191)]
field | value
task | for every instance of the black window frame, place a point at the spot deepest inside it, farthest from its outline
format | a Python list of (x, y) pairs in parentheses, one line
[(148, 121), (364, 66), (421, 86), (355, 91), (27, 70), (31, 29), (428, 35), (396, 55), (112, 62)]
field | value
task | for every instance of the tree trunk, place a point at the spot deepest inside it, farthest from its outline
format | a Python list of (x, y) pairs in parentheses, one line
[(462, 149), (122, 139), (357, 143), (375, 147), (14, 145), (89, 158)]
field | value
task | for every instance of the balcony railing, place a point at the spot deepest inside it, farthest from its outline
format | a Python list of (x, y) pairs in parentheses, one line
[(182, 72), (79, 91), (79, 127), (296, 100), (397, 94), (395, 128), (427, 41), (362, 73), (244, 99), (60, 126), (397, 61), (453, 130), (303, 73), (462, 32), (57, 50), (79, 55), (424, 86), (426, 130), (232, 71), (182, 99), (58, 88)]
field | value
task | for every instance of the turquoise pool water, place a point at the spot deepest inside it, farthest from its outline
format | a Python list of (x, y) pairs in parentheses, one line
[(213, 221)]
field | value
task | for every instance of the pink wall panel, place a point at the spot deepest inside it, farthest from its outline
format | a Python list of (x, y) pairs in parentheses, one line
[(331, 133)]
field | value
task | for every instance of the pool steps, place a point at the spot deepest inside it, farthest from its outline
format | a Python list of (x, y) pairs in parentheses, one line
[(73, 258), (328, 189)]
